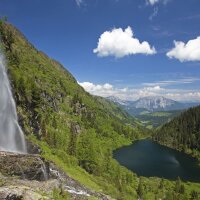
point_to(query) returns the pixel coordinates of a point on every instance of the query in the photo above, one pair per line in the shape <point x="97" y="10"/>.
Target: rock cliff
<point x="30" y="177"/>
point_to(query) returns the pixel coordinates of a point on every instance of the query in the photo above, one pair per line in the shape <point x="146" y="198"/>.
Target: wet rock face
<point x="25" y="166"/>
<point x="73" y="187"/>
<point x="32" y="148"/>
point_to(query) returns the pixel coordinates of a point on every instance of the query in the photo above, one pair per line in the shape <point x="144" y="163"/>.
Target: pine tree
<point x="194" y="195"/>
<point x="161" y="185"/>
<point x="140" y="190"/>
<point x="177" y="185"/>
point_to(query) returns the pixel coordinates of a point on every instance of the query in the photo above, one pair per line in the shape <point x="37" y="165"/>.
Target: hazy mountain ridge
<point x="117" y="100"/>
<point x="156" y="103"/>
<point x="152" y="104"/>
<point x="153" y="111"/>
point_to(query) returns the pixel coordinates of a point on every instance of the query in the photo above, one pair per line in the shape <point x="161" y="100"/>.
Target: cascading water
<point x="11" y="136"/>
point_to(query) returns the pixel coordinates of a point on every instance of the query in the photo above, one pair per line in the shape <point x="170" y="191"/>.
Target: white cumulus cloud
<point x="189" y="51"/>
<point x="96" y="88"/>
<point x="119" y="43"/>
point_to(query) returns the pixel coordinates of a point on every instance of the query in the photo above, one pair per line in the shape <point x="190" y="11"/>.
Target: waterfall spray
<point x="11" y="136"/>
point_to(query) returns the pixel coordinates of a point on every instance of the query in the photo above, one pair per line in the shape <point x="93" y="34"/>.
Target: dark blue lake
<point x="147" y="158"/>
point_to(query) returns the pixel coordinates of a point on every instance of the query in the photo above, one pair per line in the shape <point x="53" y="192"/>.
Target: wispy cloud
<point x="153" y="2"/>
<point x="159" y="32"/>
<point x="164" y="33"/>
<point x="79" y="2"/>
<point x="154" y="14"/>
<point x="156" y="28"/>
<point x="190" y="17"/>
<point x="188" y="80"/>
<point x="126" y="93"/>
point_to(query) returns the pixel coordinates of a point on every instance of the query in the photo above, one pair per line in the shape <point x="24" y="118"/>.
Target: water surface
<point x="147" y="158"/>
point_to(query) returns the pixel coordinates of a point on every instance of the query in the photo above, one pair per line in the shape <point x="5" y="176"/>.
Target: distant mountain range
<point x="151" y="104"/>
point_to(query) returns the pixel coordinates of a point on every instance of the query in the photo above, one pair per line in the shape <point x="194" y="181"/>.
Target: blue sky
<point x="101" y="42"/>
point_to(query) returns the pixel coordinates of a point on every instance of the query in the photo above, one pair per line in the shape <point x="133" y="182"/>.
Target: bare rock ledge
<point x="30" y="177"/>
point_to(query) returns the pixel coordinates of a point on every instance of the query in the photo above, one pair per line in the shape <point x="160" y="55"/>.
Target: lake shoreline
<point x="188" y="151"/>
<point x="162" y="160"/>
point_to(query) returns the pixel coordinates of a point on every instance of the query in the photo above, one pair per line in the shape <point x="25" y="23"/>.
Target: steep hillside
<point x="120" y="112"/>
<point x="73" y="128"/>
<point x="183" y="132"/>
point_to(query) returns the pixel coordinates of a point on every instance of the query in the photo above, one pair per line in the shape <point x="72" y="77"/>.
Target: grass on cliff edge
<point x="69" y="165"/>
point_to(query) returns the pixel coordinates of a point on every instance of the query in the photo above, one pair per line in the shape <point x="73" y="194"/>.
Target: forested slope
<point x="183" y="132"/>
<point x="67" y="122"/>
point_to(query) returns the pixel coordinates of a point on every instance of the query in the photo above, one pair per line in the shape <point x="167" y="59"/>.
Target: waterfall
<point x="11" y="136"/>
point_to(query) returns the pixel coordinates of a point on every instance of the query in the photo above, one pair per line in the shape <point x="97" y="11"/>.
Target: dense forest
<point x="183" y="132"/>
<point x="156" y="119"/>
<point x="76" y="130"/>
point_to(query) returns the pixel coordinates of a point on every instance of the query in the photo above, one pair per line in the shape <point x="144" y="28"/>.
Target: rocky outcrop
<point x="17" y="189"/>
<point x="75" y="128"/>
<point x="73" y="187"/>
<point x="30" y="177"/>
<point x="32" y="148"/>
<point x="19" y="193"/>
<point x="25" y="166"/>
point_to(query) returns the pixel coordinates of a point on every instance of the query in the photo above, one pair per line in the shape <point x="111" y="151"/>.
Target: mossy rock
<point x="31" y="167"/>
